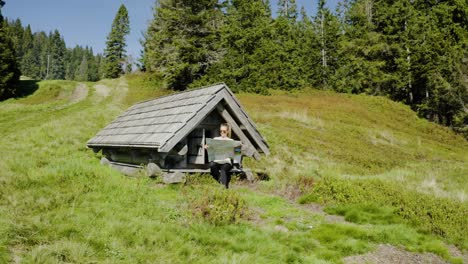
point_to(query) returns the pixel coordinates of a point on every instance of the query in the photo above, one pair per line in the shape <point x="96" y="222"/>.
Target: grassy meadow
<point x="346" y="173"/>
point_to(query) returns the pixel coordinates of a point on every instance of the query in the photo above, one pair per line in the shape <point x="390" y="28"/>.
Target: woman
<point x="220" y="168"/>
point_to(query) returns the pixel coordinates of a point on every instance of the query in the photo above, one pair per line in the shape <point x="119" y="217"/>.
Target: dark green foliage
<point x="441" y="216"/>
<point x="56" y="60"/>
<point x="30" y="59"/>
<point x="366" y="213"/>
<point x="287" y="9"/>
<point x="219" y="206"/>
<point x="341" y="239"/>
<point x="41" y="49"/>
<point x="247" y="43"/>
<point x="282" y="55"/>
<point x="362" y="53"/>
<point x="309" y="58"/>
<point x="9" y="72"/>
<point x="82" y="64"/>
<point x="40" y="54"/>
<point x="16" y="32"/>
<point x="327" y="30"/>
<point x="114" y="53"/>
<point x="182" y="42"/>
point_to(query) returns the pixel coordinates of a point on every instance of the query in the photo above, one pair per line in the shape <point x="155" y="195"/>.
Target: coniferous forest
<point x="412" y="51"/>
<point x="9" y="72"/>
<point x="42" y="55"/>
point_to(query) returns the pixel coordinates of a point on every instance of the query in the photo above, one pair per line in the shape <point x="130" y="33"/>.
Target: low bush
<point x="437" y="215"/>
<point x="366" y="213"/>
<point x="219" y="206"/>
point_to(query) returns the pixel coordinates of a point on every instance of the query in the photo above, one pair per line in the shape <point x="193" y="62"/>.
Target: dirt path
<point x="387" y="254"/>
<point x="102" y="90"/>
<point x="457" y="253"/>
<point x="79" y="94"/>
<point x="117" y="90"/>
<point x="122" y="88"/>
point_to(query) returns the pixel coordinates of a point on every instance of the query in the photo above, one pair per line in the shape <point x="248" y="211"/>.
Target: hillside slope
<point x="360" y="137"/>
<point x="58" y="204"/>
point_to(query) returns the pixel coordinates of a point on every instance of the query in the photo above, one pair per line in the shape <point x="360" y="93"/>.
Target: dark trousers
<point x="220" y="172"/>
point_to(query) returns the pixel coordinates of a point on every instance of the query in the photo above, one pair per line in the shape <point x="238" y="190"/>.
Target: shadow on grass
<point x="26" y="88"/>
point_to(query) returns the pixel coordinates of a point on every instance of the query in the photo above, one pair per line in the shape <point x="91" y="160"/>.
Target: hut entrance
<point x="196" y="152"/>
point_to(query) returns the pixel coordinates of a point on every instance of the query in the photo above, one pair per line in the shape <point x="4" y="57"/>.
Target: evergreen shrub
<point x="438" y="215"/>
<point x="219" y="206"/>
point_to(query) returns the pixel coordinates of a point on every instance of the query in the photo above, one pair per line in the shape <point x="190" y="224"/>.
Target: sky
<point x="88" y="22"/>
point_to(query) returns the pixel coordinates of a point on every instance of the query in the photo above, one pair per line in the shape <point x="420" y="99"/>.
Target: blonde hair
<point x="226" y="125"/>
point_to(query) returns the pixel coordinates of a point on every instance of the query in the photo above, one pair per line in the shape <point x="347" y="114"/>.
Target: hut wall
<point x="135" y="156"/>
<point x="177" y="157"/>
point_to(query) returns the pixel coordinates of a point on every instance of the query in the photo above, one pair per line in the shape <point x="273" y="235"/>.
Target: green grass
<point x="361" y="135"/>
<point x="365" y="213"/>
<point x="143" y="88"/>
<point x="58" y="204"/>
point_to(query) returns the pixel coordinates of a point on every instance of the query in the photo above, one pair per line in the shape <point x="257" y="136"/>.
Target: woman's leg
<point x="225" y="174"/>
<point x="214" y="169"/>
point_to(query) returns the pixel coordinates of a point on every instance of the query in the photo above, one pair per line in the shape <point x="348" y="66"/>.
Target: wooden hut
<point x="169" y="131"/>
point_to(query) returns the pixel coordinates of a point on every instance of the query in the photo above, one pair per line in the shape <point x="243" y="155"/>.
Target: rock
<point x="127" y="170"/>
<point x="152" y="169"/>
<point x="104" y="161"/>
<point x="174" y="177"/>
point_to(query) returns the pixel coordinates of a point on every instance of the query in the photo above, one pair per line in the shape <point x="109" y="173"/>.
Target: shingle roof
<point x="162" y="122"/>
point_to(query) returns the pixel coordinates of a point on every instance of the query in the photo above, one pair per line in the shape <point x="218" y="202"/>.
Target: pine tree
<point x="57" y="57"/>
<point x="73" y="61"/>
<point x="327" y="29"/>
<point x="93" y="65"/>
<point x="246" y="38"/>
<point x="287" y="9"/>
<point x="362" y="52"/>
<point x="182" y="41"/>
<point x="29" y="60"/>
<point x="82" y="72"/>
<point x="16" y="32"/>
<point x="114" y="54"/>
<point x="284" y="55"/>
<point x="9" y="72"/>
<point x="309" y="51"/>
<point x="42" y="47"/>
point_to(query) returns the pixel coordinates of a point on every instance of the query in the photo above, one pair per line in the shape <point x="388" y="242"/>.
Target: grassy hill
<point x="347" y="174"/>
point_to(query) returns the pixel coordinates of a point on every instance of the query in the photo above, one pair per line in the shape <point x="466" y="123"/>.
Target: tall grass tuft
<point x="219" y="206"/>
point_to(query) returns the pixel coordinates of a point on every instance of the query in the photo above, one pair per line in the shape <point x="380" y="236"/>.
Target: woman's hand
<point x="205" y="146"/>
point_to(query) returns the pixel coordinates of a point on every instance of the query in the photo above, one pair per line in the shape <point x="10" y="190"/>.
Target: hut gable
<point x="163" y="122"/>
